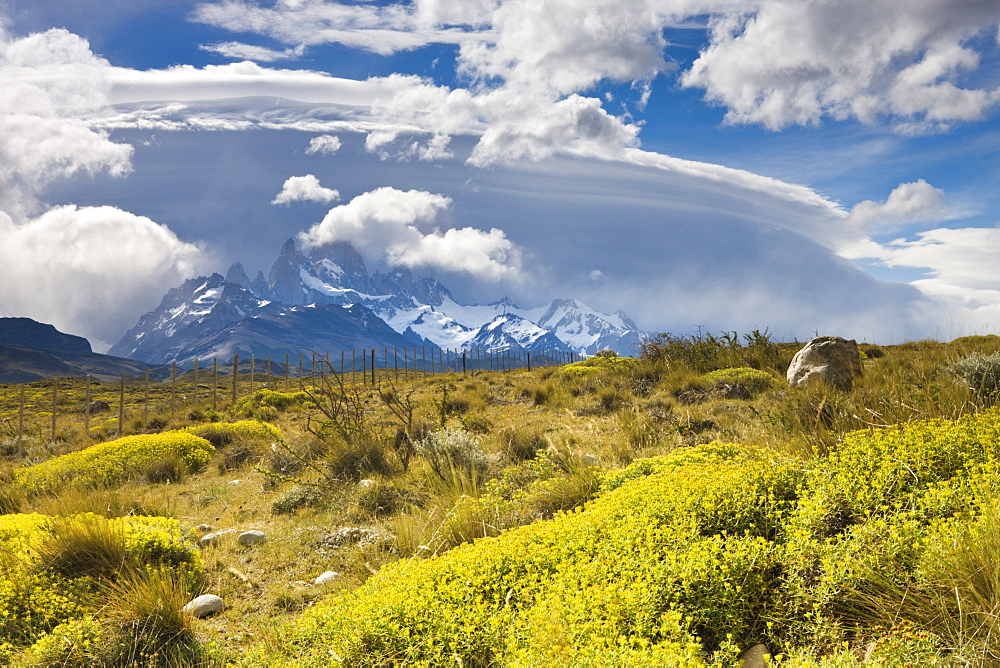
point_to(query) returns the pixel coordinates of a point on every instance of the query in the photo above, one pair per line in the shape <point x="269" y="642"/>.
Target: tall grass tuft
<point x="146" y="624"/>
<point x="956" y="594"/>
<point x="87" y="546"/>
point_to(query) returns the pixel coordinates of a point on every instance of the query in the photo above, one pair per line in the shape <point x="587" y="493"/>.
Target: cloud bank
<point x="85" y="270"/>
<point x="89" y="270"/>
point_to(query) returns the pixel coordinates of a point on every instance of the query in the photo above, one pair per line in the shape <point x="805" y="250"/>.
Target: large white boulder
<point x="829" y="359"/>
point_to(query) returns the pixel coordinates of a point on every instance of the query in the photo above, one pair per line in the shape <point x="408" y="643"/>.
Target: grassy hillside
<point x="675" y="509"/>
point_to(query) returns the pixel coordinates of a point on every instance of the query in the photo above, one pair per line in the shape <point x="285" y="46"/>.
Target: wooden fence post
<point x="236" y="373"/>
<point x="269" y="371"/>
<point x="286" y="372"/>
<point x="373" y="366"/>
<point x="20" y="419"/>
<point x="251" y="373"/>
<point x="395" y="361"/>
<point x="215" y="383"/>
<point x="121" y="406"/>
<point x="55" y="384"/>
<point x="173" y="388"/>
<point x="145" y="404"/>
<point x="86" y="409"/>
<point x="196" y="383"/>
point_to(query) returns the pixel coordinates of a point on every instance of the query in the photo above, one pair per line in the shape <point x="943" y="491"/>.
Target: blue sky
<point x="802" y="165"/>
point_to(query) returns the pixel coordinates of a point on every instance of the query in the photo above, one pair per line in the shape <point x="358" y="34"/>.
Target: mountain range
<point x="327" y="301"/>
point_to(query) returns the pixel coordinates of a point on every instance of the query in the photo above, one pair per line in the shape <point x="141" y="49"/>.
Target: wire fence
<point x="209" y="386"/>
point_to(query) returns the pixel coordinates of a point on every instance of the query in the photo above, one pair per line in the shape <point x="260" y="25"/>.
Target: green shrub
<point x="753" y="380"/>
<point x="454" y="453"/>
<point x="358" y="458"/>
<point x="704" y="352"/>
<point x="520" y="443"/>
<point x="115" y="462"/>
<point x="979" y="372"/>
<point x="299" y="496"/>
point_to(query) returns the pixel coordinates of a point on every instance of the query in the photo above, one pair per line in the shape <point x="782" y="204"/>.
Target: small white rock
<point x="204" y="605"/>
<point x="326" y="578"/>
<point x="589" y="460"/>
<point x="213" y="538"/>
<point x="203" y="528"/>
<point x="234" y="482"/>
<point x="252" y="537"/>
<point x="366" y="483"/>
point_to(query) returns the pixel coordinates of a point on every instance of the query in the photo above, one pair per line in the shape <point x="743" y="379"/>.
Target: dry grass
<point x="361" y="473"/>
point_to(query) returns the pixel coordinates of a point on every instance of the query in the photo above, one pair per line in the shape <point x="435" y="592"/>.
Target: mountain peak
<point x="238" y="275"/>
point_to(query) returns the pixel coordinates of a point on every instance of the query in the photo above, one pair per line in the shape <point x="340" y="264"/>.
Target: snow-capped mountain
<point x="516" y="333"/>
<point x="217" y="316"/>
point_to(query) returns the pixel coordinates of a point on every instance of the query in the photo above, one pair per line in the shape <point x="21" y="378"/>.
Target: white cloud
<point x="965" y="257"/>
<point x="324" y="145"/>
<point x="260" y="54"/>
<point x="305" y="189"/>
<point x="90" y="270"/>
<point x="404" y="228"/>
<point x="381" y="29"/>
<point x="186" y="83"/>
<point x="47" y="81"/>
<point x="85" y="270"/>
<point x="908" y="203"/>
<point x="785" y="62"/>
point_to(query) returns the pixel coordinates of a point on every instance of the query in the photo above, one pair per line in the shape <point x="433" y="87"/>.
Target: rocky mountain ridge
<point x="327" y="300"/>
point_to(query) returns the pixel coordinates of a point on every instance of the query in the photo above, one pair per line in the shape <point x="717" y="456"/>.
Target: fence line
<point x="367" y="370"/>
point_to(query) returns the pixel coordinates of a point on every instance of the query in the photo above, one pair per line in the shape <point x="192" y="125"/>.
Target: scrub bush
<point x="115" y="462"/>
<point x="665" y="566"/>
<point x="753" y="380"/>
<point x="979" y="372"/>
<point x="55" y="570"/>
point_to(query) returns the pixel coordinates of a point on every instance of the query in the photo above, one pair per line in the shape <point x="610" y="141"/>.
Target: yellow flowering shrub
<point x="115" y="462"/>
<point x="222" y="434"/>
<point x="35" y="597"/>
<point x="273" y="398"/>
<point x="666" y="565"/>
<point x="598" y="364"/>
<point x="868" y="510"/>
<point x="754" y="380"/>
<point x="683" y="559"/>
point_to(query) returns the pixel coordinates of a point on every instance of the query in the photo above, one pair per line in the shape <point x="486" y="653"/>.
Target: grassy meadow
<point x="676" y="508"/>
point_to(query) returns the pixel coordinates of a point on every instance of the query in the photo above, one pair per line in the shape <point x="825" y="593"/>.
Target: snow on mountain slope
<point x="420" y="309"/>
<point x="514" y="332"/>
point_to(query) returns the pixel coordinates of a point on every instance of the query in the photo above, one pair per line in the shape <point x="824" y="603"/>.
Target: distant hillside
<point x="28" y="333"/>
<point x="31" y="350"/>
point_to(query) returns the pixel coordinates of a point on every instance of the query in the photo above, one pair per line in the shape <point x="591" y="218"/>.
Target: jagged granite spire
<point x="238" y="275"/>
<point x="284" y="280"/>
